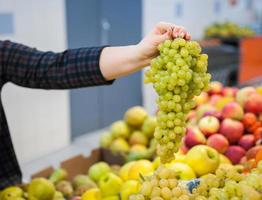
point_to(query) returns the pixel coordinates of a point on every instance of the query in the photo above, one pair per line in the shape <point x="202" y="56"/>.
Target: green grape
<point x="177" y="74"/>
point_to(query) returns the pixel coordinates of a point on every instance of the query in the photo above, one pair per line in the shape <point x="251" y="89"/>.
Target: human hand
<point x="147" y="48"/>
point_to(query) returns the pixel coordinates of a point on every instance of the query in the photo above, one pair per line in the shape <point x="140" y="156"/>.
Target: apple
<point x="182" y="170"/>
<point x="92" y="194"/>
<point x="251" y="153"/>
<point x="202" y="159"/>
<point x="233" y="110"/>
<point x="204" y="108"/>
<point x="120" y="129"/>
<point x="201" y="99"/>
<point x="208" y="125"/>
<point x="106" y="139"/>
<point x="41" y="189"/>
<point x="183" y="148"/>
<point x="247" y="141"/>
<point x="214" y="99"/>
<point x="128" y="188"/>
<point x="221" y="103"/>
<point x="114" y="197"/>
<point x="215" y="87"/>
<point x="194" y="137"/>
<point x="223" y="160"/>
<point x="258" y="134"/>
<point x="141" y="167"/>
<point x="216" y="114"/>
<point x="148" y="127"/>
<point x="138" y="137"/>
<point x="232" y="130"/>
<point x="235" y="153"/>
<point x="243" y="94"/>
<point x="229" y="91"/>
<point x="110" y="184"/>
<point x="249" y="119"/>
<point x="124" y="170"/>
<point x="98" y="170"/>
<point x="12" y="192"/>
<point x="218" y="142"/>
<point x="119" y="145"/>
<point x="76" y="198"/>
<point x="253" y="103"/>
<point x="138" y="148"/>
<point x="135" y="116"/>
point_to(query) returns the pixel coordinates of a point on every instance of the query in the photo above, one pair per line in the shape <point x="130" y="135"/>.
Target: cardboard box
<point x="80" y="164"/>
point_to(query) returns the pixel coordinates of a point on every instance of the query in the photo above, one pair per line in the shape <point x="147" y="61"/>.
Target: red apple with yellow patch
<point x="218" y="142"/>
<point x="194" y="137"/>
<point x="209" y="125"/>
<point x="233" y="110"/>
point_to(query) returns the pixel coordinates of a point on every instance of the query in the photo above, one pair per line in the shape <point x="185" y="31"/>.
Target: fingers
<point x="173" y="30"/>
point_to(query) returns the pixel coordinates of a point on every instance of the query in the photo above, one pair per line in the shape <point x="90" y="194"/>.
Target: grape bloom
<point x="178" y="74"/>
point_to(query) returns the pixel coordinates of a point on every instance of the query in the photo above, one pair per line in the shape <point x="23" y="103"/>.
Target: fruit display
<point x="227" y="182"/>
<point x="177" y="74"/>
<point x="228" y="120"/>
<point x="132" y="137"/>
<point x="228" y="30"/>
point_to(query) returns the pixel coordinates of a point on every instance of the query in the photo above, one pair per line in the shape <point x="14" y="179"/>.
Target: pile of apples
<point x="229" y="120"/>
<point x="132" y="136"/>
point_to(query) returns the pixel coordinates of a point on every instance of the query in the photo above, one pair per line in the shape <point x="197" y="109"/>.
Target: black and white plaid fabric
<point x="29" y="67"/>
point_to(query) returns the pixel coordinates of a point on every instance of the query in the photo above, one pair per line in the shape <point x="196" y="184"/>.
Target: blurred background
<point x="42" y="122"/>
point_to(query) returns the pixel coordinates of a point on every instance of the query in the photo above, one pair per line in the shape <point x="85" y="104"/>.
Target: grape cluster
<point x="230" y="183"/>
<point x="178" y="74"/>
<point x="162" y="185"/>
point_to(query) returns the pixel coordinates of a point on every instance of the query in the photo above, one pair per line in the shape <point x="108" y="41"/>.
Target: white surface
<point x="196" y="15"/>
<point x="39" y="120"/>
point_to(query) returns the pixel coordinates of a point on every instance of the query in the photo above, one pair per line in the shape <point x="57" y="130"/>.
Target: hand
<point x="147" y="48"/>
<point x="116" y="62"/>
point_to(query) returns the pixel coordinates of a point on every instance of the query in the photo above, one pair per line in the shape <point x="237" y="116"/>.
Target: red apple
<point x="204" y="108"/>
<point x="247" y="141"/>
<point x="194" y="137"/>
<point x="253" y="103"/>
<point x="218" y="142"/>
<point x="216" y="114"/>
<point x="235" y="153"/>
<point x="183" y="148"/>
<point x="232" y="130"/>
<point x="208" y="125"/>
<point x="215" y="87"/>
<point x="229" y="91"/>
<point x="251" y="153"/>
<point x="214" y="99"/>
<point x="233" y="110"/>
<point x="243" y="94"/>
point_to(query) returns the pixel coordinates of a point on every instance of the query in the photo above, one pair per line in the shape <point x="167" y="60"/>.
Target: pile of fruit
<point x="132" y="136"/>
<point x="228" y="120"/>
<point x="228" y="182"/>
<point x="228" y="30"/>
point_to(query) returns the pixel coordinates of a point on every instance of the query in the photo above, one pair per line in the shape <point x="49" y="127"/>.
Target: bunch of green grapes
<point x="230" y="183"/>
<point x="163" y="185"/>
<point x="178" y="74"/>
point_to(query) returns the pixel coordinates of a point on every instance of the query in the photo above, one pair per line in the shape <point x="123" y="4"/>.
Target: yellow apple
<point x="156" y="162"/>
<point x="92" y="194"/>
<point x="128" y="188"/>
<point x="183" y="171"/>
<point x="119" y="145"/>
<point x="11" y="192"/>
<point x="41" y="189"/>
<point x="141" y="167"/>
<point x="138" y="148"/>
<point x="97" y="170"/>
<point x="202" y="159"/>
<point x="114" y="197"/>
<point x="223" y="160"/>
<point x="123" y="173"/>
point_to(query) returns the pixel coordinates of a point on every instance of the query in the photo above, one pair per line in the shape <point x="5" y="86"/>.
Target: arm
<point x="82" y="67"/>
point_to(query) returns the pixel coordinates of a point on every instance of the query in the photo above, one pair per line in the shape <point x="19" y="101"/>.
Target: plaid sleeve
<point x="29" y="67"/>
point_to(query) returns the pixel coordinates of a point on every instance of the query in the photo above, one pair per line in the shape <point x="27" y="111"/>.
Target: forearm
<point x="116" y="62"/>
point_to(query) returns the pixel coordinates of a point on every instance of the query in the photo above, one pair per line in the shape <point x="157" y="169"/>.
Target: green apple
<point x="148" y="127"/>
<point x="58" y="175"/>
<point x="11" y="193"/>
<point x="119" y="145"/>
<point x="106" y="139"/>
<point x="41" y="189"/>
<point x="81" y="180"/>
<point x="203" y="159"/>
<point x="183" y="171"/>
<point x="128" y="188"/>
<point x="110" y="184"/>
<point x="98" y="170"/>
<point x="120" y="129"/>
